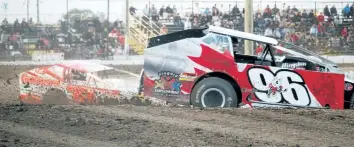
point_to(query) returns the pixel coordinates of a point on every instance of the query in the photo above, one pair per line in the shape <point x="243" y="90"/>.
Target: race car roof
<point x="243" y="35"/>
<point x="86" y="67"/>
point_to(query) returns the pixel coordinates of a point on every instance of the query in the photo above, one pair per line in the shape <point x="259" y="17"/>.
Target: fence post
<point x="315" y="8"/>
<point x="126" y="45"/>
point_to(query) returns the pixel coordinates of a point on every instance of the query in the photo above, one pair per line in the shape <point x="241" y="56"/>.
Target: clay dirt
<point x="131" y="125"/>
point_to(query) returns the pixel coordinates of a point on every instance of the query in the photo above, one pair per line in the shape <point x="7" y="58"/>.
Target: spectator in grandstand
<point x="275" y="10"/>
<point x="331" y="28"/>
<point x="320" y="18"/>
<point x="132" y="10"/>
<point x="215" y="11"/>
<point x="267" y="12"/>
<point x="352" y="10"/>
<point x="314" y="30"/>
<point x="350" y="38"/>
<point x="30" y="22"/>
<point x="13" y="39"/>
<point x="304" y="14"/>
<point x="163" y="29"/>
<point x="235" y="11"/>
<point x="346" y="11"/>
<point x="268" y="32"/>
<point x="321" y="29"/>
<point x="174" y="9"/>
<point x="146" y="10"/>
<point x="17" y="26"/>
<point x="222" y="10"/>
<point x="188" y="24"/>
<point x="326" y="11"/>
<point x="154" y="14"/>
<point x="311" y="14"/>
<point x="24" y="26"/>
<point x="177" y="20"/>
<point x="5" y="22"/>
<point x="169" y="10"/>
<point x="259" y="13"/>
<point x="260" y="22"/>
<point x="5" y="26"/>
<point x="162" y="11"/>
<point x="277" y="17"/>
<point x="288" y="10"/>
<point x="344" y="32"/>
<point x="295" y="9"/>
<point x="334" y="11"/>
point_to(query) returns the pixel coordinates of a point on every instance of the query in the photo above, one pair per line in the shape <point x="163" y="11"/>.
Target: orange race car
<point x="76" y="82"/>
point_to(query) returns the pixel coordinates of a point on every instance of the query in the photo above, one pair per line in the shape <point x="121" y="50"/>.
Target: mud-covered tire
<point x="141" y="83"/>
<point x="55" y="96"/>
<point x="351" y="102"/>
<point x="214" y="92"/>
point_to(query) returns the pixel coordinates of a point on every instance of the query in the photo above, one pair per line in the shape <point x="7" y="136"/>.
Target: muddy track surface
<point x="127" y="125"/>
<point x="107" y="126"/>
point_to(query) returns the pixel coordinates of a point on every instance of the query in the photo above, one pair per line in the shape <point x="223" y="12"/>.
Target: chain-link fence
<point x="84" y="29"/>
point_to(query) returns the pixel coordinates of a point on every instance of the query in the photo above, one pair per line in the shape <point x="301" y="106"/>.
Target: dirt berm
<point x="127" y="125"/>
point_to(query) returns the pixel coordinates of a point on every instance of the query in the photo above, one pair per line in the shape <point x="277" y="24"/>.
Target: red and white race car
<point x="74" y="82"/>
<point x="199" y="67"/>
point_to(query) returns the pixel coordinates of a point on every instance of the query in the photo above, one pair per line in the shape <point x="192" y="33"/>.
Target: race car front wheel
<point x="214" y="92"/>
<point x="55" y="96"/>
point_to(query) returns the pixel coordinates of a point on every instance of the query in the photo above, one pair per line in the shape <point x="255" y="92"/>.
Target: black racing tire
<point x="56" y="97"/>
<point x="214" y="92"/>
<point x="141" y="83"/>
<point x="351" y="102"/>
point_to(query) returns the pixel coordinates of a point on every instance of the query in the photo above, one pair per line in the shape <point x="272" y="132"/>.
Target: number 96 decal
<point x="283" y="86"/>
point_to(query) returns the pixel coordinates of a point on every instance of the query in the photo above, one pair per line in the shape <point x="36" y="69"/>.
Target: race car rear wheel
<point x="55" y="96"/>
<point x="214" y="92"/>
<point x="351" y="103"/>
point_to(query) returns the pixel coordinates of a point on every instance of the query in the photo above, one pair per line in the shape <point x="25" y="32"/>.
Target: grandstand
<point x="288" y="20"/>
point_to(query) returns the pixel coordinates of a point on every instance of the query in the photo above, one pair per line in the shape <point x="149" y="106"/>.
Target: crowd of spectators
<point x="90" y="34"/>
<point x="325" y="30"/>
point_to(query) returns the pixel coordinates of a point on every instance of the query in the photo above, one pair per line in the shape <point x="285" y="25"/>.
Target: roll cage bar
<point x="265" y="52"/>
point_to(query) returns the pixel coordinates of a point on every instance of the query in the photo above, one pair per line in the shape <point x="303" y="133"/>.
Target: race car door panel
<point x="275" y="85"/>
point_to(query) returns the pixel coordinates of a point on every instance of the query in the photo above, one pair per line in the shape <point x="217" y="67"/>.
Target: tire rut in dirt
<point x="125" y="131"/>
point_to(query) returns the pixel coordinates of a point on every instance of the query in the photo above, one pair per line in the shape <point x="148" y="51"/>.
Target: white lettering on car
<point x="284" y="86"/>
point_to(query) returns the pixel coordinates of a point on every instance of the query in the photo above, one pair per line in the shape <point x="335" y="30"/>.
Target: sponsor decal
<point x="348" y="87"/>
<point x="168" y="84"/>
<point x="297" y="65"/>
<point x="186" y="77"/>
<point x="283" y="86"/>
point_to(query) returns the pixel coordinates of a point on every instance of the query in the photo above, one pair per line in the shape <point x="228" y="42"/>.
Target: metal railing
<point x="141" y="29"/>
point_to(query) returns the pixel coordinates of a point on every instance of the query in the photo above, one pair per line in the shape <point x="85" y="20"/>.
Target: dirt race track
<point x="127" y="125"/>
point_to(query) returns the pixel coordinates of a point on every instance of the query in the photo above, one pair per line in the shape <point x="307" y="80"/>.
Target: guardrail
<point x="141" y="29"/>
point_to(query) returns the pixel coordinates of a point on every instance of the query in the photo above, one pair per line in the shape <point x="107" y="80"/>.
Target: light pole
<point x="108" y="10"/>
<point x="37" y="11"/>
<point x="28" y="1"/>
<point x="67" y="22"/>
<point x="248" y="25"/>
<point x="126" y="45"/>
